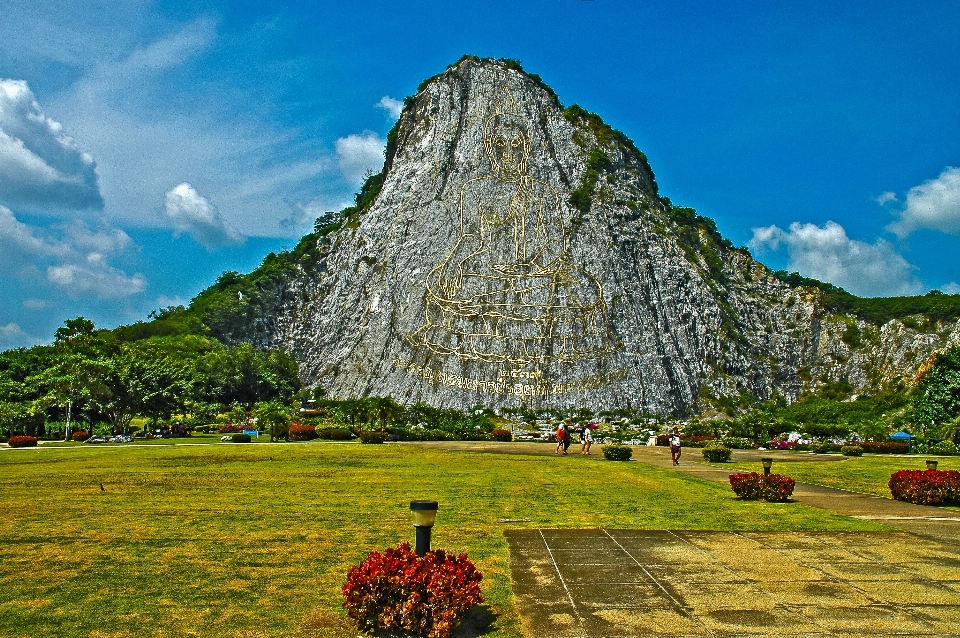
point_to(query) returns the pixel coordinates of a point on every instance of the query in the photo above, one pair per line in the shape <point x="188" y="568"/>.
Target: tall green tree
<point x="937" y="395"/>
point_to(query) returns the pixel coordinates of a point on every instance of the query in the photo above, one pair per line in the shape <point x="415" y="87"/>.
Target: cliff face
<point x="472" y="278"/>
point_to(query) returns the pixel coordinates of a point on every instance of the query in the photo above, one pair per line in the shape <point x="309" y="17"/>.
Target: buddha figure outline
<point x="506" y="292"/>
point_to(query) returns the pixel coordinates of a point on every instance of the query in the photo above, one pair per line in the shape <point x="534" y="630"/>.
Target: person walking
<point x="566" y="436"/>
<point x="675" y="446"/>
<point x="586" y="439"/>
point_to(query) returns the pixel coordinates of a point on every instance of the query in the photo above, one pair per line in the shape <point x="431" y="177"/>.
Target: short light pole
<point x="767" y="462"/>
<point x="932" y="464"/>
<point x="424" y="515"/>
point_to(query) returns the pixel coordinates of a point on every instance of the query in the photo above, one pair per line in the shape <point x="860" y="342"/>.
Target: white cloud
<point x="952" y="288"/>
<point x="191" y="213"/>
<point x="13" y="336"/>
<point x="76" y="260"/>
<point x="36" y="304"/>
<point x="827" y="254"/>
<point x="360" y="154"/>
<point x="391" y="106"/>
<point x="41" y="166"/>
<point x="935" y="204"/>
<point x="889" y="196"/>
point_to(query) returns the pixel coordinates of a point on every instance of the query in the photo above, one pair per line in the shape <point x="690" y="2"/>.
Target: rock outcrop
<point x="518" y="253"/>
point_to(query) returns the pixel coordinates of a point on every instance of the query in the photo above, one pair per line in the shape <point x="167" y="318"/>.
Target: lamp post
<point x="767" y="462"/>
<point x="424" y="515"/>
<point x="932" y="464"/>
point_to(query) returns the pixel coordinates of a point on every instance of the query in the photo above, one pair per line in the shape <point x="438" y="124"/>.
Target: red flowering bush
<point x="760" y="487"/>
<point x="228" y="428"/>
<point x="926" y="487"/>
<point x="22" y="441"/>
<point x="80" y="435"/>
<point x="300" y="432"/>
<point x="502" y="435"/>
<point x="882" y="447"/>
<point x="398" y="590"/>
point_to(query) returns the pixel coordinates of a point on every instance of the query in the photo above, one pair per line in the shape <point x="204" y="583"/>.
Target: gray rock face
<point x="473" y="279"/>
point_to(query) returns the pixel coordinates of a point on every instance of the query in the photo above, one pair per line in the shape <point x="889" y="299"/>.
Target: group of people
<point x="564" y="434"/>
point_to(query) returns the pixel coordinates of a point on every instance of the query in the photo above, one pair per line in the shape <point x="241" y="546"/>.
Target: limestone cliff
<point x="518" y="252"/>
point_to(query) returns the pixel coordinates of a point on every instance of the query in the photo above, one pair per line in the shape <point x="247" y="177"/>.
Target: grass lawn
<point x="255" y="540"/>
<point x="867" y="474"/>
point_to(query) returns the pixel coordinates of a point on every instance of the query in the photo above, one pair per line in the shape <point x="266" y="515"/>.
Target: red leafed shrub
<point x="398" y="590"/>
<point x="759" y="487"/>
<point x="302" y="432"/>
<point x="80" y="436"/>
<point x="228" y="428"/>
<point x="502" y="435"/>
<point x="882" y="447"/>
<point x="22" y="441"/>
<point x="926" y="487"/>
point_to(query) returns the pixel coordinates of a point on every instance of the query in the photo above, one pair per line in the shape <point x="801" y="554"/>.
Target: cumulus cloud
<point x="884" y="198"/>
<point x="826" y="253"/>
<point x="952" y="288"/>
<point x="391" y="106"/>
<point x="40" y="165"/>
<point x="191" y="213"/>
<point x="71" y="257"/>
<point x="359" y="154"/>
<point x="935" y="205"/>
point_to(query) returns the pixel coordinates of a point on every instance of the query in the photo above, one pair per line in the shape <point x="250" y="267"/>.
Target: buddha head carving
<point x="508" y="145"/>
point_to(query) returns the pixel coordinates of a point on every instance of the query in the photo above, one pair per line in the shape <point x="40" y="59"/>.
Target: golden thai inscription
<point x="505" y="385"/>
<point x="507" y="293"/>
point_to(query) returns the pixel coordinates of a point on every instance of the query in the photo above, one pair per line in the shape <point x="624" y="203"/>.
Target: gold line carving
<point x="507" y="292"/>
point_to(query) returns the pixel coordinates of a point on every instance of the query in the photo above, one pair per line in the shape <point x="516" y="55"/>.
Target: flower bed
<point x="398" y="590"/>
<point x="760" y="487"/>
<point x="926" y="487"/>
<point x="22" y="441"/>
<point x="502" y="435"/>
<point x="300" y="432"/>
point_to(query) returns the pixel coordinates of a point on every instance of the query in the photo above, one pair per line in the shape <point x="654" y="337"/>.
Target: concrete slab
<point x="633" y="583"/>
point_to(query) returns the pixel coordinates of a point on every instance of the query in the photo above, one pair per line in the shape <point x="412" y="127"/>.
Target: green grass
<point x="255" y="540"/>
<point x="867" y="474"/>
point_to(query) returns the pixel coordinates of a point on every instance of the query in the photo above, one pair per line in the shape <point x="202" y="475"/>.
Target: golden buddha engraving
<point x="506" y="292"/>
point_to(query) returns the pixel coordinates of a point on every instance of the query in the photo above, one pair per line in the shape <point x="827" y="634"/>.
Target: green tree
<point x="275" y="416"/>
<point x="72" y="377"/>
<point x="937" y="395"/>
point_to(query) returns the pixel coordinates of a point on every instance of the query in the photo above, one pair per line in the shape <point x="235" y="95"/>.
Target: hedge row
<point x="926" y="487"/>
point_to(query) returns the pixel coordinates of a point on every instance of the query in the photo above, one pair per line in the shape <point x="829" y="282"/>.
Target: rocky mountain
<point x="513" y="251"/>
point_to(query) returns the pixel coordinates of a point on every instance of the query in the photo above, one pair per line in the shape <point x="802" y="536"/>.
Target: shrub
<point x="926" y="487"/>
<point x="716" y="453"/>
<point x="228" y="428"/>
<point x="336" y="434"/>
<point x="502" y="435"/>
<point x="369" y="436"/>
<point x="302" y="432"/>
<point x="946" y="448"/>
<point x="398" y="590"/>
<point x="81" y="435"/>
<point x="737" y="443"/>
<point x="822" y="447"/>
<point x="22" y="441"/>
<point x="769" y="487"/>
<point x="3" y="439"/>
<point x="617" y="452"/>
<point x="882" y="447"/>
<point x="694" y="441"/>
<point x="851" y="450"/>
<point x="240" y="437"/>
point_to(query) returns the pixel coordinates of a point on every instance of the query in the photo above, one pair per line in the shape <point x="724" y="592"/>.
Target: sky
<point x="146" y="147"/>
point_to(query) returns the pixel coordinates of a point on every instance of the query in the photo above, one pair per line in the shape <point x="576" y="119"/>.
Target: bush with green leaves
<point x="371" y="436"/>
<point x="851" y="450"/>
<point x="716" y="453"/>
<point x="822" y="447"/>
<point x="945" y="448"/>
<point x="617" y="452"/>
<point x="240" y="437"/>
<point x="737" y="443"/>
<point x="335" y="434"/>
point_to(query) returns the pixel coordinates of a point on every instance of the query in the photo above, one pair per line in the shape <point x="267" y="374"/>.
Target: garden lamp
<point x="424" y="515"/>
<point x="931" y="464"/>
<point x="767" y="462"/>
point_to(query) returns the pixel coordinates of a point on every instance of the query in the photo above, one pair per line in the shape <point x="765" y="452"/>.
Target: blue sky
<point x="145" y="147"/>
